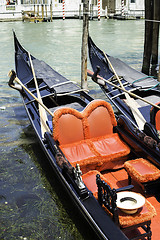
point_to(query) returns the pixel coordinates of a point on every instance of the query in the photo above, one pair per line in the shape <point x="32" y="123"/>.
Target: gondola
<point x="144" y="89"/>
<point x="90" y="151"/>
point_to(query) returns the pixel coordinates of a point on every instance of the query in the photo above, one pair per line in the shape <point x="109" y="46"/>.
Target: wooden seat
<point x="141" y="219"/>
<point x="87" y="137"/>
<point x="142" y="171"/>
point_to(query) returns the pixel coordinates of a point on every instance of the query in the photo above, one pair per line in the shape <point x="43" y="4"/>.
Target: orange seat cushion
<point x="111" y="146"/>
<point x="78" y="152"/>
<point x="89" y="180"/>
<point x="146" y="213"/>
<point x="142" y="170"/>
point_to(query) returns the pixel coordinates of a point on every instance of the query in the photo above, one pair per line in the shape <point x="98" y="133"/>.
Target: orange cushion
<point x="142" y="170"/>
<point x="67" y="126"/>
<point x="100" y="117"/>
<point x="111" y="146"/>
<point x="146" y="213"/>
<point x="89" y="180"/>
<point x="77" y="152"/>
<point x="97" y="153"/>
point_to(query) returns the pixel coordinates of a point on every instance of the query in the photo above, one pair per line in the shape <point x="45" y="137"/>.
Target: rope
<point x="152" y="87"/>
<point x="141" y="79"/>
<point x="146" y="78"/>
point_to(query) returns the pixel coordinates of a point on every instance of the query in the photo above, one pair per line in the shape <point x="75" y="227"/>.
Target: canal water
<point x="32" y="204"/>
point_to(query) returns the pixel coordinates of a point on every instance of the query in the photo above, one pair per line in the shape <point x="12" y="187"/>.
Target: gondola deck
<point x="85" y="131"/>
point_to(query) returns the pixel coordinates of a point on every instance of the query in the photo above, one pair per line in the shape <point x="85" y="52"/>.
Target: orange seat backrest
<point x="67" y="126"/>
<point x="101" y="118"/>
<point x="96" y="120"/>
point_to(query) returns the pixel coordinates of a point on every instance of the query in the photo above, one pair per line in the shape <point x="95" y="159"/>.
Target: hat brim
<point x="130" y="202"/>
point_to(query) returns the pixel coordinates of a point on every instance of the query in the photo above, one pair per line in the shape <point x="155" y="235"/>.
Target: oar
<point x="42" y="112"/>
<point x="13" y="77"/>
<point x="130" y="101"/>
<point x="102" y="81"/>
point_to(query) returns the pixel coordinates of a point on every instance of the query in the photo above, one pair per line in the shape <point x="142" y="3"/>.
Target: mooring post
<point x="122" y="3"/>
<point x="99" y="10"/>
<point x="79" y="11"/>
<point x="155" y="38"/>
<point x="51" y="10"/>
<point x="46" y="10"/>
<point x="42" y="12"/>
<point x="63" y="7"/>
<point x="37" y="10"/>
<point x="148" y="36"/>
<point x="84" y="44"/>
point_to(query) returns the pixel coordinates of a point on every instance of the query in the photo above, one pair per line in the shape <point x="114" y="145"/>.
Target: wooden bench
<point x="144" y="173"/>
<point x="87" y="137"/>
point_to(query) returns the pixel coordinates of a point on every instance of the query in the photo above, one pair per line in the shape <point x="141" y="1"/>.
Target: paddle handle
<point x="114" y="71"/>
<point x="90" y="73"/>
<point x="27" y="90"/>
<point x="42" y="112"/>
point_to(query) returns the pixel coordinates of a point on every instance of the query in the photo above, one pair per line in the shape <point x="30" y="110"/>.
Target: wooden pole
<point x="46" y="10"/>
<point x="42" y="11"/>
<point x="155" y="40"/>
<point x="148" y="36"/>
<point x="122" y="3"/>
<point x="42" y="112"/>
<point x="99" y="10"/>
<point x="37" y="10"/>
<point x="63" y="7"/>
<point x="84" y="44"/>
<point x="51" y="10"/>
<point x="79" y="11"/>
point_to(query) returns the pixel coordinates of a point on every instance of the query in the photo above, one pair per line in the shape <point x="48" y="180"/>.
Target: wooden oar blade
<point x="43" y="121"/>
<point x="140" y="120"/>
<point x="43" y="117"/>
<point x="42" y="112"/>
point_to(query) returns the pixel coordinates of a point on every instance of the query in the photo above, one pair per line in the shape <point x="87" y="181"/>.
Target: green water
<point x="32" y="204"/>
